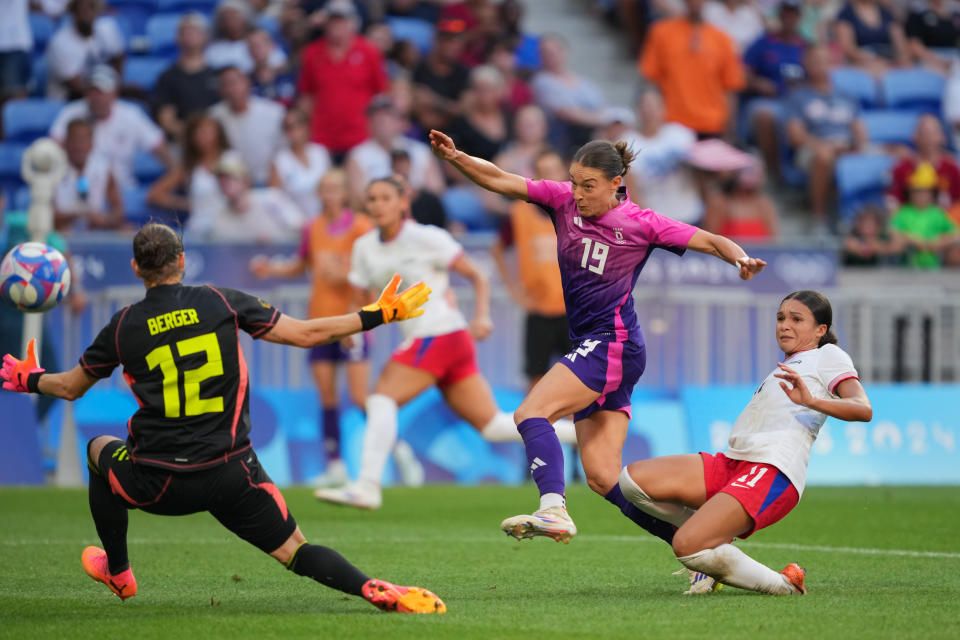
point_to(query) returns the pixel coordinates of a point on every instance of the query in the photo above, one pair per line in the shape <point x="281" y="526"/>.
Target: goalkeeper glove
<point x="22" y="376"/>
<point x="392" y="306"/>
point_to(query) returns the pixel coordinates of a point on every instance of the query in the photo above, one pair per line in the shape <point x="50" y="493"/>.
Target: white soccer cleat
<point x="361" y="495"/>
<point x="411" y="471"/>
<point x="700" y="583"/>
<point x="335" y="475"/>
<point x="552" y="522"/>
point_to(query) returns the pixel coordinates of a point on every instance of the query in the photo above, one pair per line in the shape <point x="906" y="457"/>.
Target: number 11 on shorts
<point x="751" y="479"/>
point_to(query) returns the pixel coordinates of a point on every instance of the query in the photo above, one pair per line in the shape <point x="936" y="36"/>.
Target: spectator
<point x="86" y="40"/>
<point x="816" y="20"/>
<point x="379" y="35"/>
<point x="739" y="19"/>
<point x="739" y="209"/>
<point x="298" y="167"/>
<point x="87" y="196"/>
<point x="270" y="80"/>
<point x="528" y="141"/>
<point x="403" y="59"/>
<point x="425" y="206"/>
<point x="483" y="127"/>
<point x="16" y="45"/>
<point x="930" y="145"/>
<point x="869" y="37"/>
<point x="572" y="101"/>
<point x="658" y="178"/>
<point x="252" y="215"/>
<point x="518" y="92"/>
<point x="440" y="79"/>
<point x="951" y="103"/>
<point x="695" y="65"/>
<point x="822" y="124"/>
<point x="920" y="225"/>
<point x="869" y="243"/>
<point x="483" y="35"/>
<point x="773" y="64"/>
<point x="189" y="84"/>
<point x="537" y="290"/>
<point x="340" y="74"/>
<point x="254" y="125"/>
<point x="203" y="142"/>
<point x="933" y="33"/>
<point x="370" y="159"/>
<point x="120" y="129"/>
<point x="232" y="24"/>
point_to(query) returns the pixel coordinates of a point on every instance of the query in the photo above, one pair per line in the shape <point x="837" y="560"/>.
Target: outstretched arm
<point x="486" y="174"/>
<point x="728" y="251"/>
<point x="26" y="376"/>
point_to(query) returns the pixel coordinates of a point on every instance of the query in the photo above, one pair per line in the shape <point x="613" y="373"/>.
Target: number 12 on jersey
<point x="194" y="405"/>
<point x="600" y="252"/>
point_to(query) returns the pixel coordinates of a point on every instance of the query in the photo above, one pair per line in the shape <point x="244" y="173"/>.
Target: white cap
<point x="105" y="78"/>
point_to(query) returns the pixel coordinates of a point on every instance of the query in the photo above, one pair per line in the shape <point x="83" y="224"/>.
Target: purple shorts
<point x="611" y="369"/>
<point x="335" y="352"/>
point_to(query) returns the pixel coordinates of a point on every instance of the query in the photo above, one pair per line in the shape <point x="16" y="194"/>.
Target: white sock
<point x="548" y="500"/>
<point x="729" y="565"/>
<point x="501" y="429"/>
<point x="566" y="430"/>
<point x="672" y="512"/>
<point x="379" y="438"/>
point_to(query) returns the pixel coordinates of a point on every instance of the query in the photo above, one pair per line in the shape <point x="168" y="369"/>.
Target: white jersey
<point x="418" y="252"/>
<point x="775" y="430"/>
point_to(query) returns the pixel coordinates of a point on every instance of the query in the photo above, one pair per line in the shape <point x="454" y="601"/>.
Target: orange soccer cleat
<point x="94" y="561"/>
<point x="391" y="597"/>
<point x="795" y="574"/>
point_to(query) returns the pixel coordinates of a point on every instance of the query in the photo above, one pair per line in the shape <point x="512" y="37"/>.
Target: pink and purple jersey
<point x="601" y="258"/>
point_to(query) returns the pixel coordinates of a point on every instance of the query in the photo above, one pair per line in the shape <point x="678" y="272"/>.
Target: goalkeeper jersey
<point x="180" y="353"/>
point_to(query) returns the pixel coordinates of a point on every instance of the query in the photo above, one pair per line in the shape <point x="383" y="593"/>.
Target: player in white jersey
<point x="438" y="349"/>
<point x="758" y="480"/>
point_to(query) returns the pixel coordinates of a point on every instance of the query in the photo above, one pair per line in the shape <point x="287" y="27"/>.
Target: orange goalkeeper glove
<point x="22" y="376"/>
<point x="392" y="306"/>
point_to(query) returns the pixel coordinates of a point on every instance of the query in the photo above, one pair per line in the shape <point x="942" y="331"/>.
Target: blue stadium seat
<point x="143" y="71"/>
<point x="42" y="27"/>
<point x="139" y="212"/>
<point x="146" y="167"/>
<point x="915" y="89"/>
<point x="205" y="7"/>
<point x="858" y="83"/>
<point x="890" y="126"/>
<point x="418" y="31"/>
<point x="10" y="155"/>
<point x="861" y="179"/>
<point x="162" y="32"/>
<point x="28" y="119"/>
<point x="38" y="76"/>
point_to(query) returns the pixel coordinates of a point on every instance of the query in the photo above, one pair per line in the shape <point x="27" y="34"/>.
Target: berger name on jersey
<point x="172" y="320"/>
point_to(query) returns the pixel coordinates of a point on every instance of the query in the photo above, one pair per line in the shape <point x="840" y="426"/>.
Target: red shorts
<point x="761" y="488"/>
<point x="450" y="357"/>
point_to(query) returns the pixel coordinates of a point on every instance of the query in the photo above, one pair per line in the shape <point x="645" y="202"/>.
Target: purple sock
<point x="544" y="454"/>
<point x="331" y="432"/>
<point x="659" y="528"/>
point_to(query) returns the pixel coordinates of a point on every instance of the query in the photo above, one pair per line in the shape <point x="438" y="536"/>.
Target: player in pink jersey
<point x="603" y="241"/>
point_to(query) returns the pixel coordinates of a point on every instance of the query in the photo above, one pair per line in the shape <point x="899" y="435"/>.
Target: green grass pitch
<point x="882" y="563"/>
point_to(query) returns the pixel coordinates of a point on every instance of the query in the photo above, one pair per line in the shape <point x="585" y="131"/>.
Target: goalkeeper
<point x="189" y="446"/>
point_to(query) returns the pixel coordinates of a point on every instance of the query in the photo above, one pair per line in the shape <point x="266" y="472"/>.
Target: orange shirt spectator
<point x="531" y="232"/>
<point x="695" y="65"/>
<point x="326" y="247"/>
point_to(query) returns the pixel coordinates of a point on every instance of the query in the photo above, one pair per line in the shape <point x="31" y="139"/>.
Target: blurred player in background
<point x="715" y="498"/>
<point x="603" y="241"/>
<point x="327" y="242"/>
<point x="189" y="445"/>
<point x="438" y="350"/>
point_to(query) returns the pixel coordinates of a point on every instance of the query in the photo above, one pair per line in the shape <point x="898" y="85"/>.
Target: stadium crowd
<point x="224" y="116"/>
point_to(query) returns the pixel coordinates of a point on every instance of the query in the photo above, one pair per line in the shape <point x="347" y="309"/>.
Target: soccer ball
<point x="34" y="277"/>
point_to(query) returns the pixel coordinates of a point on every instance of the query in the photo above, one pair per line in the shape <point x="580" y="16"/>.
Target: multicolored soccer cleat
<point x="552" y="522"/>
<point x="94" y="561"/>
<point x="391" y="597"/>
<point x="356" y="494"/>
<point x="700" y="583"/>
<point x="795" y="574"/>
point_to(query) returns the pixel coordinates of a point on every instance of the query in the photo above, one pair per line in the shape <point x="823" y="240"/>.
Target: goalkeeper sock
<point x="110" y="517"/>
<point x="379" y="438"/>
<point x="659" y="528"/>
<point x="729" y="565"/>
<point x="545" y="458"/>
<point x="327" y="567"/>
<point x="331" y="432"/>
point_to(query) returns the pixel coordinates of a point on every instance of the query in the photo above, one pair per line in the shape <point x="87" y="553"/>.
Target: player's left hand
<point x="750" y="267"/>
<point x="797" y="390"/>
<point x="480" y="328"/>
<point x="403" y="306"/>
<point x="14" y="372"/>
